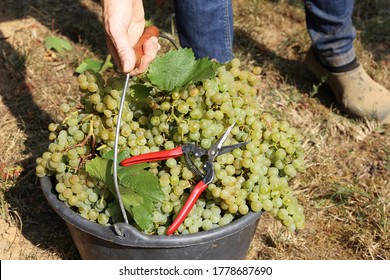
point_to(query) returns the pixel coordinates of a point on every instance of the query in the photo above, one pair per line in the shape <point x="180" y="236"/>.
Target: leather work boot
<point x="358" y="94"/>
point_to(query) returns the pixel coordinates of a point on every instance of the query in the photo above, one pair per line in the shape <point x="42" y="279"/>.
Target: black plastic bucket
<point x="94" y="241"/>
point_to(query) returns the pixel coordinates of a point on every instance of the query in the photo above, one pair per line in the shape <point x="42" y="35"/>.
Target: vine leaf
<point x="176" y="69"/>
<point x="57" y="44"/>
<point x="139" y="188"/>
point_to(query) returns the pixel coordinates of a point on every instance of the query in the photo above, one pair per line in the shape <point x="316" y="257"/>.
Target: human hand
<point x="124" y="23"/>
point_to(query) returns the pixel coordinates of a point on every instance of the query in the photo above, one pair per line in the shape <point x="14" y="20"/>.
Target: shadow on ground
<point x="40" y="224"/>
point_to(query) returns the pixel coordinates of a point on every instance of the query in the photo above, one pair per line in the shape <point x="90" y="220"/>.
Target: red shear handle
<point x="148" y="32"/>
<point x="154" y="156"/>
<point x="194" y="195"/>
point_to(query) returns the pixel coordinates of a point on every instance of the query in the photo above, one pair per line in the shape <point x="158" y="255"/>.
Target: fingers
<point x="124" y="24"/>
<point x="112" y="50"/>
<point x="123" y="18"/>
<point x="121" y="48"/>
<point x="150" y="49"/>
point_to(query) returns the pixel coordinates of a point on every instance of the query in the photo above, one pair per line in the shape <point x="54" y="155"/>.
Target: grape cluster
<point x="254" y="177"/>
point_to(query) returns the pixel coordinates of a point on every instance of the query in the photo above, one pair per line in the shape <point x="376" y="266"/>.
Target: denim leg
<point x="206" y="26"/>
<point x="329" y="23"/>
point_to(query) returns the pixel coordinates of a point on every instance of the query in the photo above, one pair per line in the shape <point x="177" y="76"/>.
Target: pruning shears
<point x="207" y="175"/>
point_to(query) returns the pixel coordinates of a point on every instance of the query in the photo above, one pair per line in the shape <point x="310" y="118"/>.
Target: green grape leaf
<point x="143" y="215"/>
<point x="177" y="68"/>
<point x="142" y="182"/>
<point x="203" y="69"/>
<point x="100" y="169"/>
<point x="96" y="65"/>
<point x="57" y="44"/>
<point x="121" y="156"/>
<point x="130" y="198"/>
<point x="140" y="91"/>
<point x="138" y="188"/>
<point x="143" y="187"/>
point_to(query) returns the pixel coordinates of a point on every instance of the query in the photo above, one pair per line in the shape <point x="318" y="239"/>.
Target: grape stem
<point x="87" y="117"/>
<point x="85" y="141"/>
<point x="173" y="113"/>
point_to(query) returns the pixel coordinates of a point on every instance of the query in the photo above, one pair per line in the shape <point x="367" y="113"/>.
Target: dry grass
<point x="345" y="190"/>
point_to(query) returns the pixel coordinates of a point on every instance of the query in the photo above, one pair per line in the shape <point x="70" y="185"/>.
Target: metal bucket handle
<point x="118" y="230"/>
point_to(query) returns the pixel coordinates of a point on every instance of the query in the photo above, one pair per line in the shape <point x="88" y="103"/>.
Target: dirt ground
<point x="345" y="190"/>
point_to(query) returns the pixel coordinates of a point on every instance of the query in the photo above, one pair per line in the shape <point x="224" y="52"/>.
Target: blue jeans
<point x="206" y="26"/>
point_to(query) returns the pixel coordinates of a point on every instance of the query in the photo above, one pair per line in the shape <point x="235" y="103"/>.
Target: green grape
<point x="78" y="136"/>
<point x="67" y="193"/>
<point x="280" y="153"/>
<point x="76" y="188"/>
<point x="61" y="197"/>
<point x="188" y="222"/>
<point x="165" y="106"/>
<point x="93" y="197"/>
<point x="289" y="170"/>
<point x="127" y="116"/>
<point x="223" y="221"/>
<point x="256" y="206"/>
<point x="102" y="219"/>
<point x="277" y="202"/>
<point x="82" y="196"/>
<point x="92" y="87"/>
<point x="61" y="167"/>
<point x="243" y="209"/>
<point x="157" y="217"/>
<point x="60" y="187"/>
<point x="83" y="85"/>
<point x="111" y="104"/>
<point x="233" y="208"/>
<point x="52" y="127"/>
<point x="257" y="70"/>
<point x="100" y="107"/>
<point x="72" y="200"/>
<point x="235" y="62"/>
<point x="214" y="218"/>
<point x="193" y="229"/>
<point x="93" y="214"/>
<point x="155" y="120"/>
<point x="183" y="128"/>
<point x="167" y="207"/>
<point x="95" y="98"/>
<point x="170" y="163"/>
<point x="161" y="230"/>
<point x="282" y="214"/>
<point x="107" y="113"/>
<point x="64" y="108"/>
<point x="56" y="157"/>
<point x="267" y="205"/>
<point x="298" y="164"/>
<point x="288" y="221"/>
<point x="183" y="108"/>
<point x="73" y="179"/>
<point x="187" y="174"/>
<point x="101" y="204"/>
<point x="72" y="121"/>
<point x="251" y="178"/>
<point x="207" y="224"/>
<point x="115" y="93"/>
<point x="279" y="164"/>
